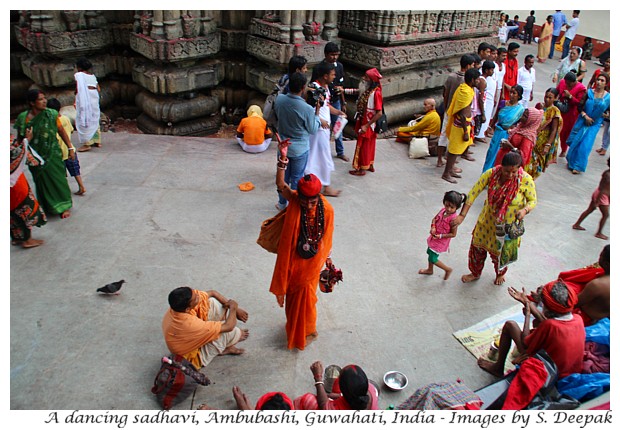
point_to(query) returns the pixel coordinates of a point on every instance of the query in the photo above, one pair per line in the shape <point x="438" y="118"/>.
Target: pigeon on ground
<point x="112" y="288"/>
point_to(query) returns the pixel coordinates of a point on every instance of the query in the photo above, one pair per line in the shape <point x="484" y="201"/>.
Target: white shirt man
<point x="526" y="78"/>
<point x="498" y="75"/>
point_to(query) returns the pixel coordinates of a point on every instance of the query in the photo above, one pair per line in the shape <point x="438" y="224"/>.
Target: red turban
<point x="266" y="397"/>
<point x="309" y="185"/>
<point x="551" y="304"/>
<point x="374" y="75"/>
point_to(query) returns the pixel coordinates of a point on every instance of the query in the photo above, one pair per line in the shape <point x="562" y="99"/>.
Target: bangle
<point x="527" y="210"/>
<point x="319" y="383"/>
<point x="441" y="236"/>
<point x="283" y="161"/>
<point x="71" y="149"/>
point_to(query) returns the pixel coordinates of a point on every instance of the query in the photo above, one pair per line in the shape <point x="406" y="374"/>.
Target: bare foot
<point x="448" y="178"/>
<point x="244" y="334"/>
<point x="65" y="214"/>
<point x="601" y="236"/>
<point x="447" y="275"/>
<point x="32" y="243"/>
<point x="80" y="192"/>
<point x="492" y="368"/>
<point x="499" y="280"/>
<point x="204" y="407"/>
<point x="440" y="163"/>
<point x="577" y="227"/>
<point x="455" y="175"/>
<point x="330" y="192"/>
<point x="83" y="148"/>
<point x="242" y="315"/>
<point x="232" y="350"/>
<point x="311" y="338"/>
<point x="425" y="271"/>
<point x="562" y="154"/>
<point x="457" y="170"/>
<point x="469" y="278"/>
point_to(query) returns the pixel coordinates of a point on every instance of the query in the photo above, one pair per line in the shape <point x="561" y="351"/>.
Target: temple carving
<point x="184" y="72"/>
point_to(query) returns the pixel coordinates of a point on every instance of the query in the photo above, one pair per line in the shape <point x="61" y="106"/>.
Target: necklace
<point x="311" y="232"/>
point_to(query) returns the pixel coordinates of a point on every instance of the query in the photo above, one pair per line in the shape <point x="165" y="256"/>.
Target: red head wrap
<point x="309" y="185"/>
<point x="374" y="75"/>
<point x="266" y="397"/>
<point x="551" y="304"/>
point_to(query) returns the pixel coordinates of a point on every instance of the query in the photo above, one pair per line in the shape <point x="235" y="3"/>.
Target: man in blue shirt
<point x="297" y="120"/>
<point x="559" y="20"/>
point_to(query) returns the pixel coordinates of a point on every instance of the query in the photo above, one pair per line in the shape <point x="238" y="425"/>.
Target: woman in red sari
<point x="522" y="137"/>
<point x="369" y="110"/>
<point x="352" y="391"/>
<point x="571" y="92"/>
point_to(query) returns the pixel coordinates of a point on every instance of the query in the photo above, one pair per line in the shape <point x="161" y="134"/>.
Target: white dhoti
<point x="443" y="139"/>
<point x="320" y="162"/>
<point x="214" y="348"/>
<point x="87" y="112"/>
<point x="488" y="109"/>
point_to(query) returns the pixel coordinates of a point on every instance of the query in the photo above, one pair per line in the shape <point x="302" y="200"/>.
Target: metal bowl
<point x="395" y="380"/>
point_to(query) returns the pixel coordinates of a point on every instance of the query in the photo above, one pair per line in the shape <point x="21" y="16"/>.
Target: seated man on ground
<point x="561" y="334"/>
<point x="352" y="391"/>
<point x="202" y="324"/>
<point x="427" y="124"/>
<point x="253" y="134"/>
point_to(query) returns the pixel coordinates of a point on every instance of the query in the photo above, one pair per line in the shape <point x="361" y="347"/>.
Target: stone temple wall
<point x="183" y="72"/>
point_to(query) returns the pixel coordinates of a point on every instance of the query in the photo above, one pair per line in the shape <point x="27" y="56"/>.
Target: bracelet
<point x="526" y="209"/>
<point x="319" y="383"/>
<point x="282" y="161"/>
<point x="71" y="149"/>
<point x="281" y="168"/>
<point x="441" y="236"/>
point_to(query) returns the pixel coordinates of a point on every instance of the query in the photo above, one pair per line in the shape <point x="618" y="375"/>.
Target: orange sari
<point x="297" y="278"/>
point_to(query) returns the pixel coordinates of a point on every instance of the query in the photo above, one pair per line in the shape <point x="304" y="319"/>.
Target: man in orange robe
<point x="308" y="229"/>
<point x="197" y="325"/>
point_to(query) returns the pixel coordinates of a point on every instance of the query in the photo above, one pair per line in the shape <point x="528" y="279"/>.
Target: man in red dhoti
<point x="369" y="110"/>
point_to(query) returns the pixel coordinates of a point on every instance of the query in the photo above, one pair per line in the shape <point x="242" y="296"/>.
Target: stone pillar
<point x="330" y="29"/>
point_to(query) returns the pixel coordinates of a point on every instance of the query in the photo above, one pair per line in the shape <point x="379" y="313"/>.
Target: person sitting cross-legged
<point x="427" y="124"/>
<point x="202" y="324"/>
<point x="560" y="333"/>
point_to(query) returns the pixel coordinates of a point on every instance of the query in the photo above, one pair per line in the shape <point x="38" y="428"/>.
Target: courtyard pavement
<point x="162" y="212"/>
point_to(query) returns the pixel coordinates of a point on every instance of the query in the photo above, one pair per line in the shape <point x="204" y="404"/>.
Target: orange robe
<point x="296" y="278"/>
<point x="186" y="332"/>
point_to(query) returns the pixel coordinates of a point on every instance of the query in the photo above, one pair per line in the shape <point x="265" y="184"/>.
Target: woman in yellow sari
<point x="545" y="149"/>
<point x="544" y="40"/>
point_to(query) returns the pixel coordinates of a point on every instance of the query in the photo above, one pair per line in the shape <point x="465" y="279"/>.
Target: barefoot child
<point x="73" y="166"/>
<point x="600" y="199"/>
<point x="442" y="232"/>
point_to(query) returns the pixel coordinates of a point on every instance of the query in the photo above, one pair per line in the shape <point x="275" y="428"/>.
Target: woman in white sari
<point x="87" y="106"/>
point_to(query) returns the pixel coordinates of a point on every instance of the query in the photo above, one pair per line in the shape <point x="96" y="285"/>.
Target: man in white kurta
<point x="526" y="78"/>
<point x="488" y="73"/>
<point x="320" y="161"/>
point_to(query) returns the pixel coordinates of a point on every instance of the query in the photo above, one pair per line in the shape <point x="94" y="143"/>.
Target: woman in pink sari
<point x="522" y="136"/>
<point x="571" y="93"/>
<point x="352" y="391"/>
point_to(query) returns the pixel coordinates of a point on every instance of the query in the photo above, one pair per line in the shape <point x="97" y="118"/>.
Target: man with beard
<point x="369" y="110"/>
<point x="320" y="160"/>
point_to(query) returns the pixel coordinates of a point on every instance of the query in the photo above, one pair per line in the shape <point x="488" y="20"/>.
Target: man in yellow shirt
<point x="428" y="124"/>
<point x="202" y="324"/>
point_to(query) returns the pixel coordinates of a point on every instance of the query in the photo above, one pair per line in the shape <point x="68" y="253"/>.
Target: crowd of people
<point x="487" y="98"/>
<point x="42" y="141"/>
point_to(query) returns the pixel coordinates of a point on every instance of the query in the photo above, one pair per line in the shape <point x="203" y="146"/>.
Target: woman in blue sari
<point x="588" y="124"/>
<point x="504" y="118"/>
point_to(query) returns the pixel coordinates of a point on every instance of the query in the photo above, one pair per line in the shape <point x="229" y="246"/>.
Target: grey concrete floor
<point x="162" y="212"/>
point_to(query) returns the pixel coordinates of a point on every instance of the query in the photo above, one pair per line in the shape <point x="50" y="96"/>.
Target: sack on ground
<point x="433" y="142"/>
<point x="418" y="147"/>
<point x="270" y="232"/>
<point x="176" y="380"/>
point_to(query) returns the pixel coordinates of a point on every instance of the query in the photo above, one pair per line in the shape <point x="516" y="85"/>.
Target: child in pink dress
<point x="442" y="232"/>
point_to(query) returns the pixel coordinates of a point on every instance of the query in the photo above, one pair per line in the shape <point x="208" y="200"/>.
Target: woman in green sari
<point x="545" y="151"/>
<point x="52" y="188"/>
